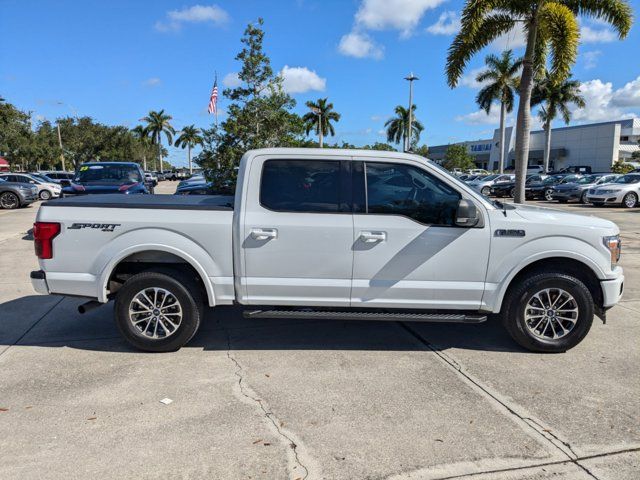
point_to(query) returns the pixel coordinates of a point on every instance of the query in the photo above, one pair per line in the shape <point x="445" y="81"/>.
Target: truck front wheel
<point x="158" y="311"/>
<point x="548" y="312"/>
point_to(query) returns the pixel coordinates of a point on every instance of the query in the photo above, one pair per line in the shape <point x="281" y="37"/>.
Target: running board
<point x="364" y="315"/>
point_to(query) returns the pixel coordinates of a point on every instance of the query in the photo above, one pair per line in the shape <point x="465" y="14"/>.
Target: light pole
<point x="410" y="79"/>
<point x="61" y="149"/>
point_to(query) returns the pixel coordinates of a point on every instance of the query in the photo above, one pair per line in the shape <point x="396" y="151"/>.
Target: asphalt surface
<point x="285" y="399"/>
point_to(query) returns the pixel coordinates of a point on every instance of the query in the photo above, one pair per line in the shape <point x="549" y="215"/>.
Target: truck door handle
<point x="263" y="233"/>
<point x="371" y="237"/>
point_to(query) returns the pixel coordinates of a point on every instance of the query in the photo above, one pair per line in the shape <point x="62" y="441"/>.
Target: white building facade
<point x="598" y="145"/>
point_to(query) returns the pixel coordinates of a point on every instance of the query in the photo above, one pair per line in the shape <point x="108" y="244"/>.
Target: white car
<point x="624" y="190"/>
<point x="477" y="171"/>
<point x="331" y="234"/>
<point x="484" y="184"/>
<point x="46" y="189"/>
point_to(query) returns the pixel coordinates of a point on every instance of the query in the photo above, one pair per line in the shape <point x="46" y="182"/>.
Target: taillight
<point x="43" y="235"/>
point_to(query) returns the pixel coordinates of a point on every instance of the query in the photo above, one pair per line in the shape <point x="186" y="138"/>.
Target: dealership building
<point x="598" y="145"/>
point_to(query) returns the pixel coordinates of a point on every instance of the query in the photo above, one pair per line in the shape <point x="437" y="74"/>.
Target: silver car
<point x="484" y="184"/>
<point x="577" y="190"/>
<point x="47" y="189"/>
<point x="624" y="191"/>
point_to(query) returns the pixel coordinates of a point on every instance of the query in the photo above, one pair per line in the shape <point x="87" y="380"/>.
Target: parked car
<point x="286" y="249"/>
<point x="544" y="189"/>
<point x="208" y="188"/>
<point x="176" y="175"/>
<point x="63" y="178"/>
<point x="577" y="190"/>
<point x="478" y="171"/>
<point x="194" y="180"/>
<point x="508" y="189"/>
<point x="46" y="190"/>
<point x="107" y="177"/>
<point x="151" y="178"/>
<point x="484" y="184"/>
<point x="624" y="190"/>
<point x="16" y="194"/>
<point x="584" y="169"/>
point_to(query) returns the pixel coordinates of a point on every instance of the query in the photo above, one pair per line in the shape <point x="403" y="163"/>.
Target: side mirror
<point x="467" y="214"/>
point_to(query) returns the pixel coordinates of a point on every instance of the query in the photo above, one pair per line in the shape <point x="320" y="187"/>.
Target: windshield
<point x="587" y="179"/>
<point x="552" y="179"/>
<point x="628" y="179"/>
<point x="40" y="176"/>
<point x="108" y="174"/>
<point x="488" y="177"/>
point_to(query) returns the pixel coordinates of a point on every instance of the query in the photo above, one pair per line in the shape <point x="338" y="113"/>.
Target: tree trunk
<point x="160" y="154"/>
<point x="523" y="124"/>
<point x="144" y="162"/>
<point x="320" y="130"/>
<point x="503" y="114"/>
<point x="189" y="154"/>
<point x="547" y="145"/>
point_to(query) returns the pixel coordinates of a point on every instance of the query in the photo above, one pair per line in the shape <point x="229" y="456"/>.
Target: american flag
<point x="213" y="101"/>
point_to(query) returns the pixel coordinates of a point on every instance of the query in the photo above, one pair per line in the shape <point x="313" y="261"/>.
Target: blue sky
<point x="117" y="60"/>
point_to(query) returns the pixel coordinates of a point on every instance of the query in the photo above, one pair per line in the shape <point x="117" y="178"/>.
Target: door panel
<point x="297" y="235"/>
<point x="407" y="251"/>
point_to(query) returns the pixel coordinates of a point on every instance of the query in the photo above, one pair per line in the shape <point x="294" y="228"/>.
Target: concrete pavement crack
<point x="244" y="390"/>
<point x="563" y="446"/>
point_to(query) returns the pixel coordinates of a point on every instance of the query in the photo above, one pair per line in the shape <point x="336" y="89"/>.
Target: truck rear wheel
<point x="548" y="312"/>
<point x="158" y="311"/>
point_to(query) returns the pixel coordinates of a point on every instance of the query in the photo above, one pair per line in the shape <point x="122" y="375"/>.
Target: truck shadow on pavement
<point x="50" y="321"/>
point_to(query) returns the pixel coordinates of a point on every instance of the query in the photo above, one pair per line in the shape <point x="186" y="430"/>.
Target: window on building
<point x="300" y="186"/>
<point x="397" y="189"/>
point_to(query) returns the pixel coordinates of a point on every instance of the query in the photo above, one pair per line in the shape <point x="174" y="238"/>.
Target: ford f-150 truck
<point x="338" y="234"/>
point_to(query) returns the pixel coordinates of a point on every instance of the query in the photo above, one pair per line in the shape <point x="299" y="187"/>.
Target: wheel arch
<point x="579" y="268"/>
<point x="147" y="257"/>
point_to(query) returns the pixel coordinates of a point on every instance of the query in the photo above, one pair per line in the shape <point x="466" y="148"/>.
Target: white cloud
<point x="448" y="23"/>
<point x="604" y="103"/>
<point x="152" y="82"/>
<point x="480" y="117"/>
<point x="627" y="96"/>
<point x="591" y="59"/>
<point x="514" y="38"/>
<point x="212" y="14"/>
<point x="359" y="45"/>
<point x="301" y="79"/>
<point x="596" y="32"/>
<point x="403" y="15"/>
<point x="231" y="80"/>
<point x="469" y="78"/>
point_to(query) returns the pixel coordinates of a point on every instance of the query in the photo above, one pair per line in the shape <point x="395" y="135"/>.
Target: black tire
<point x="9" y="201"/>
<point x="485" y="191"/>
<point x="630" y="200"/>
<point x="45" y="195"/>
<point x="583" y="197"/>
<point x="518" y="296"/>
<point x="182" y="288"/>
<point x="512" y="193"/>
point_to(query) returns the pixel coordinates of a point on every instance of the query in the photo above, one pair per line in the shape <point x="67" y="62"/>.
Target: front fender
<point x="137" y="241"/>
<point x="503" y="269"/>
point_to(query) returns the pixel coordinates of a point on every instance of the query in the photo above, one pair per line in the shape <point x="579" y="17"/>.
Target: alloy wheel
<point x="551" y="314"/>
<point x="630" y="200"/>
<point x="9" y="200"/>
<point x="45" y="195"/>
<point x="547" y="195"/>
<point x="155" y="313"/>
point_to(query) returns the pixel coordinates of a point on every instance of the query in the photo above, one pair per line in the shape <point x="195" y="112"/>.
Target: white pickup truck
<point x="338" y="234"/>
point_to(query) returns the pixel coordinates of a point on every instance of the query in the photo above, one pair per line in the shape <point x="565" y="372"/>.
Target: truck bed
<point x="160" y="202"/>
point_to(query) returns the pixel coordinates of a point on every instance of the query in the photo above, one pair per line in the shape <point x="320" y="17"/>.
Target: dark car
<point x="107" y="177"/>
<point x="227" y="189"/>
<point x="507" y="189"/>
<point x="544" y="189"/>
<point x="63" y="178"/>
<point x="17" y="194"/>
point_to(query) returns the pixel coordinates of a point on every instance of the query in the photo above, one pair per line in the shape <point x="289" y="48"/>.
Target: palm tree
<point x="320" y="118"/>
<point x="398" y="126"/>
<point x="502" y="73"/>
<point x="549" y="25"/>
<point x="157" y="124"/>
<point x="556" y="96"/>
<point x="189" y="137"/>
<point x="140" y="133"/>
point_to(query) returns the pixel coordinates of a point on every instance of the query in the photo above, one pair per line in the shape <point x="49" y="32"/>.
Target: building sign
<point x="483" y="147"/>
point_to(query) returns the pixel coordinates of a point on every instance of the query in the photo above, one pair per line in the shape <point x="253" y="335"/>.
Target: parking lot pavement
<point x="310" y="400"/>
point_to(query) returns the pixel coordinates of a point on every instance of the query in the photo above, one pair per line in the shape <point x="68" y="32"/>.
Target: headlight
<point x="614" y="245"/>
